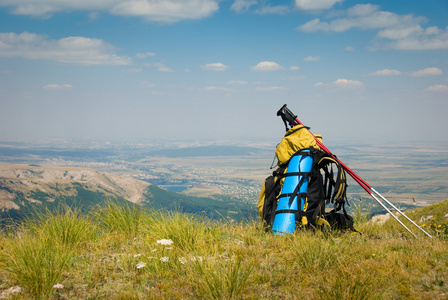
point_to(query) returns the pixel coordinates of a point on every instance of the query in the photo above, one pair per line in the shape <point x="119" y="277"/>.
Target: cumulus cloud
<point x="312" y="58"/>
<point x="217" y="88"/>
<point x="57" y="87"/>
<point x="276" y="9"/>
<point x="294" y="68"/>
<point x="270" y="88"/>
<point x="363" y="16"/>
<point x="219" y="67"/>
<point x="261" y="8"/>
<point x="395" y="31"/>
<point x="427" y="72"/>
<point x="266" y="66"/>
<point x="237" y="82"/>
<point x="438" y="88"/>
<point x="73" y="49"/>
<point x="144" y="55"/>
<point x="347" y="83"/>
<point x="168" y="11"/>
<point x="152" y="10"/>
<point x="316" y="4"/>
<point x="386" y="72"/>
<point x="341" y="83"/>
<point x="162" y="68"/>
<point x="242" y="5"/>
<point x="416" y="38"/>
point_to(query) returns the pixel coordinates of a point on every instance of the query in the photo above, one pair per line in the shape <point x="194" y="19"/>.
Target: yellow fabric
<point x="295" y="139"/>
<point x="322" y="222"/>
<point x="261" y="199"/>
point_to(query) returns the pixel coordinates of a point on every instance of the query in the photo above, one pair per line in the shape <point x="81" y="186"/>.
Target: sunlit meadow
<point x="120" y="252"/>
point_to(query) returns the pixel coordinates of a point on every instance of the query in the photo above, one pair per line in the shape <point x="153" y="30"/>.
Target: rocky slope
<point x="20" y="184"/>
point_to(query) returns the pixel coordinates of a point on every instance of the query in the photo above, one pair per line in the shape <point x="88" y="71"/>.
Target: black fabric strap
<point x="296" y="174"/>
<point x="286" y="211"/>
<point x="296" y="190"/>
<point x="290" y="194"/>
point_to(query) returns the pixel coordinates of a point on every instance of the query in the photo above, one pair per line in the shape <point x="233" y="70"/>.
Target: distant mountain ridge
<point x="25" y="187"/>
<point x="213" y="150"/>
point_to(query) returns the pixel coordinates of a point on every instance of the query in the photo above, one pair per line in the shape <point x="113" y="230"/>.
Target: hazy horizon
<point x="369" y="71"/>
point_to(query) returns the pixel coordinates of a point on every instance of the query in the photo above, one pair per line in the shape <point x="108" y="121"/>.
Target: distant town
<point x="410" y="175"/>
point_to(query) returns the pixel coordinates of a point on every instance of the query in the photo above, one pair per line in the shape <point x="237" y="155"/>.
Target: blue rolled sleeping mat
<point x="294" y="190"/>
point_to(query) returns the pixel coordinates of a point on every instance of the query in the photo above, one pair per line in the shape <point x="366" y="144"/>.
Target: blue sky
<point x="373" y="71"/>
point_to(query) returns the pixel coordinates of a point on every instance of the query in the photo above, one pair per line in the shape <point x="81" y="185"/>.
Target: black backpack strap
<point x="269" y="200"/>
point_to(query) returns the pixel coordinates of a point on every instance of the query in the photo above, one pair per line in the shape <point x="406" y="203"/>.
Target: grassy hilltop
<point x="125" y="252"/>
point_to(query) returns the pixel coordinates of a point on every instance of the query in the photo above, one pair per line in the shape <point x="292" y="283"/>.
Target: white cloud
<point x="162" y="68"/>
<point x="294" y="68"/>
<point x="385" y="72"/>
<point x="415" y="38"/>
<point x="242" y="5"/>
<point x="73" y="49"/>
<point x="270" y="88"/>
<point x="144" y="55"/>
<point x="438" y="88"/>
<point x="399" y="32"/>
<point x="347" y="83"/>
<point x="341" y="83"/>
<point x="266" y="66"/>
<point x="314" y="25"/>
<point x="363" y="16"/>
<point x="427" y="72"/>
<point x="168" y="11"/>
<point x="57" y="87"/>
<point x="316" y="4"/>
<point x="349" y="48"/>
<point x="217" y="88"/>
<point x="312" y="58"/>
<point x="153" y="10"/>
<point x="277" y="9"/>
<point x="219" y="67"/>
<point x="93" y="16"/>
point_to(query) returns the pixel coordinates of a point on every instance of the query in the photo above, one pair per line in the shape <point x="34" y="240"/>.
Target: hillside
<point x="125" y="252"/>
<point x="25" y="187"/>
<point x="21" y="186"/>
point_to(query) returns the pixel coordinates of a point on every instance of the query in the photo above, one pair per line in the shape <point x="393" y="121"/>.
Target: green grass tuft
<point x="127" y="252"/>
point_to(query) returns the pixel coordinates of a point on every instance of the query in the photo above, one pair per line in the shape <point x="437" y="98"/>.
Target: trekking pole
<point x="289" y="117"/>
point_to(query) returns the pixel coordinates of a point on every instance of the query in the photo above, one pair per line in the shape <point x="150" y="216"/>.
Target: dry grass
<point x="120" y="253"/>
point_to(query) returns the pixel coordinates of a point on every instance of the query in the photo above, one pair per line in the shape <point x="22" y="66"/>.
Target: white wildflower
<point x="168" y="248"/>
<point x="58" y="286"/>
<point x="165" y="242"/>
<point x="137" y="255"/>
<point x="140" y="265"/>
<point x="197" y="258"/>
<point x="164" y="259"/>
<point x="154" y="250"/>
<point x="11" y="291"/>
<point x="182" y="260"/>
<point x="152" y="257"/>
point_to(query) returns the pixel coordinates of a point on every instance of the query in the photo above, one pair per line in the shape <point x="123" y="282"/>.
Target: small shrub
<point x="35" y="262"/>
<point x="186" y="231"/>
<point x="222" y="278"/>
<point x="122" y="218"/>
<point x="65" y="225"/>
